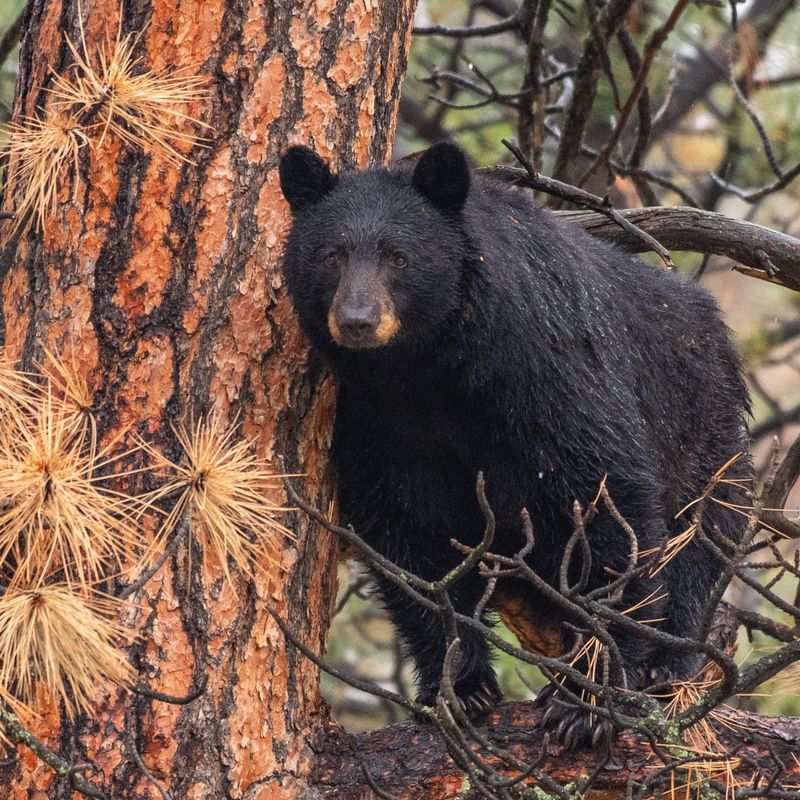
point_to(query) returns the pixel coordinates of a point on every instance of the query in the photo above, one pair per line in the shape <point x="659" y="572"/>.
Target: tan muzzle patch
<point x="336" y="334"/>
<point x="388" y="326"/>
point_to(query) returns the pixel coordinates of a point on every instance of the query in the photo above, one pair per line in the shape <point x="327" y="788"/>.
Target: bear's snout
<point x="362" y="314"/>
<point x="357" y="324"/>
<point x="362" y="327"/>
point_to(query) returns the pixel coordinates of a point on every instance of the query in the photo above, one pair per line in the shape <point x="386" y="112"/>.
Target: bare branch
<point x="130" y="726"/>
<point x="763" y="253"/>
<point x="513" y="23"/>
<point x="583" y="198"/>
<point x="146" y="691"/>
<point x="699" y="74"/>
<point x="530" y="122"/>
<point x="586" y="78"/>
<point x="757" y="124"/>
<point x="754" y="195"/>
<point x="654" y="44"/>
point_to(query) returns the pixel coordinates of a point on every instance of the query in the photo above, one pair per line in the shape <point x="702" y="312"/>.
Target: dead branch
<point x="574" y="194"/>
<point x="654" y="44"/>
<point x="760" y="252"/>
<point x="16" y="732"/>
<point x="710" y="66"/>
<point x="514" y="22"/>
<point x="586" y="78"/>
<point x="511" y="757"/>
<point x="753" y="195"/>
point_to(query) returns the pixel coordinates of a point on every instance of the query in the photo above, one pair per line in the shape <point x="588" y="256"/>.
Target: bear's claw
<point x="478" y="701"/>
<point x="574" y="727"/>
<point x="475" y="699"/>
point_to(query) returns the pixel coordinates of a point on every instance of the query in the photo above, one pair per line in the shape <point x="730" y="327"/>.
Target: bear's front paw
<point x="476" y="698"/>
<point x="571" y="726"/>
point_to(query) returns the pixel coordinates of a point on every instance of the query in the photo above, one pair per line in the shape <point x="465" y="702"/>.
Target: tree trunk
<point x="162" y="282"/>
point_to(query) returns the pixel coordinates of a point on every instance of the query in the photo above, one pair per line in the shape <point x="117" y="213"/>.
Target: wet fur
<point x="543" y="357"/>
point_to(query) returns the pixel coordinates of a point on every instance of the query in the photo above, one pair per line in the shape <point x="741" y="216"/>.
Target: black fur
<point x="305" y="177"/>
<point x="442" y="176"/>
<point x="532" y="352"/>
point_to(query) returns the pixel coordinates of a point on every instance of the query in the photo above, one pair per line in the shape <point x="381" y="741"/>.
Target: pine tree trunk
<point x="163" y="283"/>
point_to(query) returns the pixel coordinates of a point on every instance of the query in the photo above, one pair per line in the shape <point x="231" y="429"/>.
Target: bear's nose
<point x="358" y="321"/>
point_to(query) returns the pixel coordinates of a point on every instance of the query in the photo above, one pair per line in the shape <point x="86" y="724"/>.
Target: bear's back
<point x="637" y="354"/>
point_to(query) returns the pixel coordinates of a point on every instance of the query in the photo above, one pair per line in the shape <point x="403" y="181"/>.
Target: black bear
<point x="471" y="331"/>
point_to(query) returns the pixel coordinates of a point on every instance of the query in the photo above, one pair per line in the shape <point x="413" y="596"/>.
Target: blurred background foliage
<point x="468" y="89"/>
<point x="9" y="14"/>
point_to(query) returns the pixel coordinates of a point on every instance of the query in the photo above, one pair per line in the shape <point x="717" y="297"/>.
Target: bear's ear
<point x="442" y="176"/>
<point x="305" y="177"/>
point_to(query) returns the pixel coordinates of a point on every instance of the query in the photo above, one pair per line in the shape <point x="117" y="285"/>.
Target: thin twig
<point x="184" y="700"/>
<point x="179" y="535"/>
<point x="530" y="122"/>
<point x="754" y="195"/>
<point x="130" y="724"/>
<point x="587" y="75"/>
<point x="357" y="683"/>
<point x="381" y="793"/>
<point x="511" y="23"/>
<point x="583" y="198"/>
<point x="654" y="44"/>
<point x="757" y="124"/>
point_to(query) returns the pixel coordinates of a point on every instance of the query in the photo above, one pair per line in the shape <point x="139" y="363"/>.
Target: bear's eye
<point x="399" y="260"/>
<point x="331" y="260"/>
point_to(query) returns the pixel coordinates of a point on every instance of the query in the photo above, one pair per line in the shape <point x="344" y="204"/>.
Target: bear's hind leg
<point x="689" y="577"/>
<point x="576" y="725"/>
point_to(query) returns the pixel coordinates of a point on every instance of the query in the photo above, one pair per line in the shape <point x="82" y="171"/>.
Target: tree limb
<point x="760" y="252"/>
<point x="430" y="774"/>
<point x="710" y="66"/>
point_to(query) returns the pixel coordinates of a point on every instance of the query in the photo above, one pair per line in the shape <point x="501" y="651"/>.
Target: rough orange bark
<point x="162" y="283"/>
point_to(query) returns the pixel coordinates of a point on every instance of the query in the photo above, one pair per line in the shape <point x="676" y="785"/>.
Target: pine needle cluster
<point x="39" y="151"/>
<point x="116" y="94"/>
<point x="678" y="542"/>
<point x="224" y="487"/>
<point x="109" y="93"/>
<point x="61" y="533"/>
<point x="693" y="784"/>
<point x="64" y="532"/>
<point x="57" y="518"/>
<point x="701" y="737"/>
<point x="53" y="638"/>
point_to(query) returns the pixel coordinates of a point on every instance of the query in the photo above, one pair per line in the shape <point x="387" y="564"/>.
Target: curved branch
<point x="15" y="732"/>
<point x="574" y="194"/>
<point x="760" y="252"/>
<point x="710" y="66"/>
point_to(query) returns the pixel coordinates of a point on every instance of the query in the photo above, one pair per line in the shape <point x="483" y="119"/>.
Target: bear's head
<point x="376" y="258"/>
